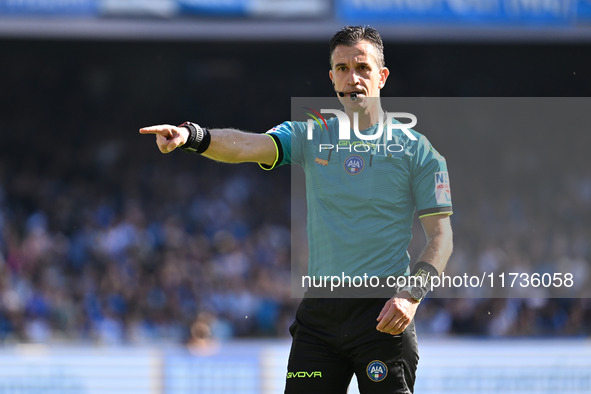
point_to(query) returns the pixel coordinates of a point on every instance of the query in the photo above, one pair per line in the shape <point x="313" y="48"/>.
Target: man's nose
<point x="353" y="77"/>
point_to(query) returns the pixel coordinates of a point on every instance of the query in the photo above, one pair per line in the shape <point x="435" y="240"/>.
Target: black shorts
<point x="336" y="337"/>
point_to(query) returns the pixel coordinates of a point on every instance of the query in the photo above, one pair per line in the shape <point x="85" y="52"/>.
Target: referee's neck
<point x="366" y="117"/>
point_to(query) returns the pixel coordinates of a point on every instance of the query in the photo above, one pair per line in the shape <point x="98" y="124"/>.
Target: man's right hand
<point x="168" y="137"/>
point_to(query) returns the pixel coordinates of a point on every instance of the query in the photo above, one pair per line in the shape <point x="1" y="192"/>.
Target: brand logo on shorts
<point x="377" y="371"/>
<point x="304" y="374"/>
<point x="354" y="164"/>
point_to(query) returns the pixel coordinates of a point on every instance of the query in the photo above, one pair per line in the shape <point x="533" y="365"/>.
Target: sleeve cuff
<point x="278" y="156"/>
<point x="435" y="211"/>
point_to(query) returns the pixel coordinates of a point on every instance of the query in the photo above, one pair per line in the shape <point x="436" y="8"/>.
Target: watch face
<point x="416" y="293"/>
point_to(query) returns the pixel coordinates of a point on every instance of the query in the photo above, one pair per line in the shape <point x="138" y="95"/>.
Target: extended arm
<point x="399" y="311"/>
<point x="227" y="145"/>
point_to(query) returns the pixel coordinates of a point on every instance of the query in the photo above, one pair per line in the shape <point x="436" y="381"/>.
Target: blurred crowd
<point x="105" y="240"/>
<point x="138" y="257"/>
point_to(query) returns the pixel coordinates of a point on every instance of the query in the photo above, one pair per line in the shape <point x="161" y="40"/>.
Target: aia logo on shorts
<point x="354" y="164"/>
<point x="377" y="371"/>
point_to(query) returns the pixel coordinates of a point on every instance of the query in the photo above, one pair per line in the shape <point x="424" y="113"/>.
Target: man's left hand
<point x="397" y="314"/>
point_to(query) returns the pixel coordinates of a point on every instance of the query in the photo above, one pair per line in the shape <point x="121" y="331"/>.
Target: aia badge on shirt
<point x="442" y="192"/>
<point x="377" y="371"/>
<point x="354" y="164"/>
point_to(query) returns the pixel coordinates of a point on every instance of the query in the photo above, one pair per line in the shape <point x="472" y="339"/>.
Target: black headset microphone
<point x="353" y="95"/>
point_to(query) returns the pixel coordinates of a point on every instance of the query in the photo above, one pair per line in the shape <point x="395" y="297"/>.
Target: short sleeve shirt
<point x="362" y="195"/>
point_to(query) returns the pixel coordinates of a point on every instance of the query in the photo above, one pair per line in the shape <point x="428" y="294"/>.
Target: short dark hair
<point x="351" y="35"/>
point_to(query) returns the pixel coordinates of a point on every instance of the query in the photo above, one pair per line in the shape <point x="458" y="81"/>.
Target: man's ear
<point x="330" y="76"/>
<point x="384" y="72"/>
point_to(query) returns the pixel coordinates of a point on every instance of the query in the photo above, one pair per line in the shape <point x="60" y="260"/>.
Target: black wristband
<point x="425" y="271"/>
<point x="198" y="140"/>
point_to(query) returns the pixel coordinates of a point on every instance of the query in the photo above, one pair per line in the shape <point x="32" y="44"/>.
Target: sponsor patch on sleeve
<point x="442" y="191"/>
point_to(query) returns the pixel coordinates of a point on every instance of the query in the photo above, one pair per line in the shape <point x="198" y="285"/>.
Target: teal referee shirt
<point x="362" y="195"/>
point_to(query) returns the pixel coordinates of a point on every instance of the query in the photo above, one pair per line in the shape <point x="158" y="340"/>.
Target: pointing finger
<point x="163" y="130"/>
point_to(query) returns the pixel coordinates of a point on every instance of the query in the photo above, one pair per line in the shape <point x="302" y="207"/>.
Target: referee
<point x="360" y="213"/>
